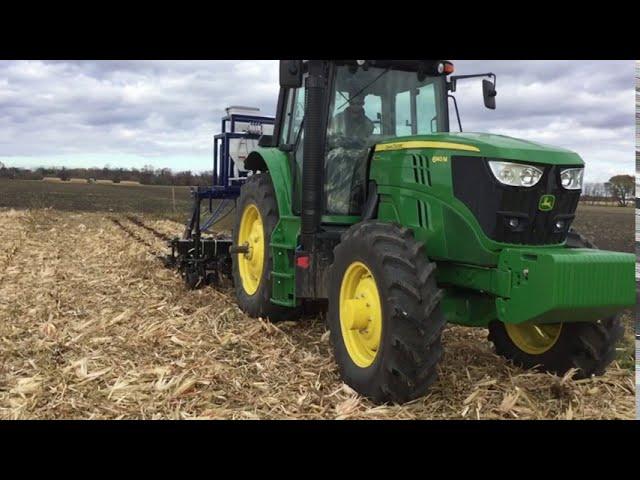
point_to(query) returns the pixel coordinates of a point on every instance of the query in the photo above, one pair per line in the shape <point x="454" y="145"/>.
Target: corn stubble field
<point x="93" y="326"/>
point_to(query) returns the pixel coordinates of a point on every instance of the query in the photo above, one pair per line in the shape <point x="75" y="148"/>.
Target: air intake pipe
<point x="313" y="165"/>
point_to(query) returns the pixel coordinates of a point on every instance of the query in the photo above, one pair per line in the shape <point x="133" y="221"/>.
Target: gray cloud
<point x="586" y="106"/>
<point x="165" y="112"/>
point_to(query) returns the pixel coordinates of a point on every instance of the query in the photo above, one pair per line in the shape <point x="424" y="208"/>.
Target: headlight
<point x="515" y="174"/>
<point x="571" y="178"/>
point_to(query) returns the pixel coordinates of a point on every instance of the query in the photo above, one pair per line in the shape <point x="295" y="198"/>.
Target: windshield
<point x="367" y="107"/>
<point x="395" y="102"/>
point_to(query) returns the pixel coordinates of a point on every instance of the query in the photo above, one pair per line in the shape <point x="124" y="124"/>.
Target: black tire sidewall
<point x="412" y="321"/>
<point x="554" y="360"/>
<point x="568" y="351"/>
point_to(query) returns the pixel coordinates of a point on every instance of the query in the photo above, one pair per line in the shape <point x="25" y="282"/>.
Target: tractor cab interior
<point x="366" y="106"/>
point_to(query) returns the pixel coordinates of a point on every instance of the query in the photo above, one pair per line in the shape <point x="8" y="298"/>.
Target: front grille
<point x="494" y="204"/>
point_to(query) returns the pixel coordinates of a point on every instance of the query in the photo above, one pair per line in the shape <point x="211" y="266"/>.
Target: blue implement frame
<point x="223" y="186"/>
<point x="201" y="259"/>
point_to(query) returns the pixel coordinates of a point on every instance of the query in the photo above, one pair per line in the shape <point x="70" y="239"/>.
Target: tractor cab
<point x="363" y="104"/>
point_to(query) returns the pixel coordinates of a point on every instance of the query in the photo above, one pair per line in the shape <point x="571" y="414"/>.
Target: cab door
<point x="348" y="149"/>
<point x="291" y="140"/>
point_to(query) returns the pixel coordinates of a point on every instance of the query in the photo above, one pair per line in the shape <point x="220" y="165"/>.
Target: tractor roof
<point x="430" y="67"/>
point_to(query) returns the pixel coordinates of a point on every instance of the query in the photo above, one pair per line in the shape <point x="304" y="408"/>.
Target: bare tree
<point x="64" y="175"/>
<point x="622" y="188"/>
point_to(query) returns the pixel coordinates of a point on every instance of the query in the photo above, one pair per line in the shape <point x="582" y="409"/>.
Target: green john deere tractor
<point x="363" y="199"/>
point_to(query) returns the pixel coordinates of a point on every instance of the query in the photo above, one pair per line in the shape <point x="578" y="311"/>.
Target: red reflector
<point x="448" y="68"/>
<point x="302" y="262"/>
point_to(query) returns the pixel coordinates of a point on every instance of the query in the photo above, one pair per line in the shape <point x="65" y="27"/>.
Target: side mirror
<point x="290" y="73"/>
<point x="489" y="93"/>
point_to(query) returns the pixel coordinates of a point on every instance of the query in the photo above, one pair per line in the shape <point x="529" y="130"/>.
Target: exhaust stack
<point x="312" y="169"/>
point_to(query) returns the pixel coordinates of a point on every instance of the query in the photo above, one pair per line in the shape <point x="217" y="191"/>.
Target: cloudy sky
<point x="164" y="113"/>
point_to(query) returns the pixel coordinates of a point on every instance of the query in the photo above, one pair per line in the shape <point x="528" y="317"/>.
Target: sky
<point x="164" y="113"/>
<point x="638" y="128"/>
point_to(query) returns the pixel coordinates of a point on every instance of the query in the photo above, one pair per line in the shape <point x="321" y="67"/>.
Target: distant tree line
<point x="146" y="175"/>
<point x="619" y="190"/>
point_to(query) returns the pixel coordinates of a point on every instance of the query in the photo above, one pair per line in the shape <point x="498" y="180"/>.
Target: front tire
<point x="556" y="348"/>
<point x="384" y="313"/>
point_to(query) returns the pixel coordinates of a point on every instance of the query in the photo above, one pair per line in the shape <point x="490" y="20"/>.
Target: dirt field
<point x="92" y="326"/>
<point x="150" y="200"/>
<point x="612" y="228"/>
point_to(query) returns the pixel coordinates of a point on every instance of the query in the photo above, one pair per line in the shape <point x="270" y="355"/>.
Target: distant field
<point x="611" y="228"/>
<point x="84" y="180"/>
<point x="149" y="200"/>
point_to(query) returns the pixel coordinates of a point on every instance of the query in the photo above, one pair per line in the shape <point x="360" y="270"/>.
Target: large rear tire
<point x="256" y="217"/>
<point x="587" y="346"/>
<point x="384" y="313"/>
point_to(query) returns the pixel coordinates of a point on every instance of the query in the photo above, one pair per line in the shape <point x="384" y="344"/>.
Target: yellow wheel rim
<point x="251" y="234"/>
<point x="534" y="339"/>
<point x="360" y="314"/>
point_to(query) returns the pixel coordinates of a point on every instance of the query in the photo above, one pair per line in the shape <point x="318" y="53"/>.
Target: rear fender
<point x="276" y="163"/>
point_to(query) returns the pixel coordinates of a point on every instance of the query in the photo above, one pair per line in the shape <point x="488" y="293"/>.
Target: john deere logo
<point x="546" y="203"/>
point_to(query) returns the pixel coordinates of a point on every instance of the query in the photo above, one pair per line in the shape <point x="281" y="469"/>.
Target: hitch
<point x="201" y="261"/>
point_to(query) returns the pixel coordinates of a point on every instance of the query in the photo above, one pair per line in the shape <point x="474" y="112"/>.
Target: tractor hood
<point x="487" y="145"/>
